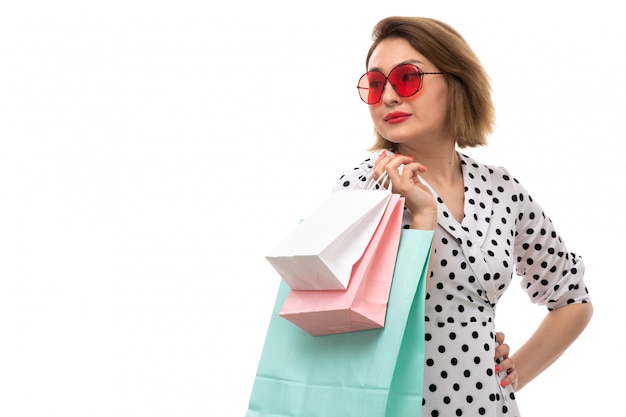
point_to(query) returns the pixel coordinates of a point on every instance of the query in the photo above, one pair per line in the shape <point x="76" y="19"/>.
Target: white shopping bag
<point x="320" y="252"/>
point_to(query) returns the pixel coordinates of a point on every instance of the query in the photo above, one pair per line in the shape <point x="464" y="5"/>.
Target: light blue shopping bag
<point x="369" y="373"/>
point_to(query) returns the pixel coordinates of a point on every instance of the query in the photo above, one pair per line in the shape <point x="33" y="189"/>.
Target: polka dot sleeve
<point x="355" y="179"/>
<point x="551" y="275"/>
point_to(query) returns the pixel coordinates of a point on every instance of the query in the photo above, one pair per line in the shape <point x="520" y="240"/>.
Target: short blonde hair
<point x="471" y="115"/>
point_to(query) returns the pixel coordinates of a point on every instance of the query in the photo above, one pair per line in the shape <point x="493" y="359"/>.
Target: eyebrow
<point x="408" y="61"/>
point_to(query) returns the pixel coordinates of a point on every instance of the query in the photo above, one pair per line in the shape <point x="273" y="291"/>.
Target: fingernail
<point x="383" y="154"/>
<point x="497" y="368"/>
<point x="503" y="384"/>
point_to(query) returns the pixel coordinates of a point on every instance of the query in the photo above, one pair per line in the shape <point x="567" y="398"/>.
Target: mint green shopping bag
<point x="368" y="373"/>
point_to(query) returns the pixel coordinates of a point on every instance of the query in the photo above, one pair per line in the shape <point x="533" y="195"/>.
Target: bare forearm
<point x="555" y="334"/>
<point x="426" y="220"/>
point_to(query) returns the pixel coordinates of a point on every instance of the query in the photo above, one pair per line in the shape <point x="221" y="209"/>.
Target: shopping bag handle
<point x="377" y="184"/>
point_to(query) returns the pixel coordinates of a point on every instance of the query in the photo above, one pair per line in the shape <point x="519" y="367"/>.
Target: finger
<point x="409" y="172"/>
<point x="510" y="380"/>
<point x="399" y="159"/>
<point x="502" y="350"/>
<point x="392" y="167"/>
<point x="499" y="338"/>
<point x="505" y="365"/>
<point x="381" y="162"/>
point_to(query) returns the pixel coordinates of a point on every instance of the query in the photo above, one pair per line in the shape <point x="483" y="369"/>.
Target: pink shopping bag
<point x="363" y="305"/>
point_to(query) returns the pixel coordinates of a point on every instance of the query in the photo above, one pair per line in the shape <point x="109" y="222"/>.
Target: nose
<point x="390" y="95"/>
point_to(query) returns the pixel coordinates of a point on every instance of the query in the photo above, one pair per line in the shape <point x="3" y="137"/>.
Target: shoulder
<point x="355" y="177"/>
<point x="499" y="175"/>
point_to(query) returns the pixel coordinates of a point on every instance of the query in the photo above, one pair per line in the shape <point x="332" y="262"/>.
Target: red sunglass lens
<point x="406" y="79"/>
<point x="371" y="86"/>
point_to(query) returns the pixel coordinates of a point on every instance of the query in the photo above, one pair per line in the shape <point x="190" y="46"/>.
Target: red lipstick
<point x="396" y="117"/>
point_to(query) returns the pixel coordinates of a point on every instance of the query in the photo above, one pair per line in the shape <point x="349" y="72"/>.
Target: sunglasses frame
<point x="419" y="71"/>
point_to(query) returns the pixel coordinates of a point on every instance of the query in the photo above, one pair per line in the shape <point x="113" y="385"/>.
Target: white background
<point x="151" y="153"/>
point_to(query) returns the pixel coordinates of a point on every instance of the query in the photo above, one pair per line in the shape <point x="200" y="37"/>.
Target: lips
<point x="396" y="117"/>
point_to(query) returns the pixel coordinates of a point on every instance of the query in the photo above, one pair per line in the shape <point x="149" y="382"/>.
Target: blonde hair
<point x="471" y="114"/>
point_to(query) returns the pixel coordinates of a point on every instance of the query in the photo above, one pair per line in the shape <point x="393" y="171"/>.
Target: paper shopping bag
<point x="371" y="373"/>
<point x="363" y="305"/>
<point x="320" y="252"/>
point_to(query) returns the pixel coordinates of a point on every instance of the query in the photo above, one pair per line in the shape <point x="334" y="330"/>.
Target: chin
<point x="396" y="140"/>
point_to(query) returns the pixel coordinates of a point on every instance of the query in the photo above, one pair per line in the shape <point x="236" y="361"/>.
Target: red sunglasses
<point x="406" y="79"/>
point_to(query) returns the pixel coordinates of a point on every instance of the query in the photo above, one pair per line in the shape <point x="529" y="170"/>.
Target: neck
<point x="444" y="166"/>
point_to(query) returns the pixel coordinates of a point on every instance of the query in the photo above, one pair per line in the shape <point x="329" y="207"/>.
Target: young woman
<point x="429" y="97"/>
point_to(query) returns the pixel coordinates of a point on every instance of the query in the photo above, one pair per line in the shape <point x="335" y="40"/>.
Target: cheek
<point x="434" y="107"/>
<point x="377" y="112"/>
<point x="442" y="109"/>
<point x="441" y="102"/>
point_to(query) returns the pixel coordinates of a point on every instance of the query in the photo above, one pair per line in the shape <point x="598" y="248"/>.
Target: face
<point x="417" y="119"/>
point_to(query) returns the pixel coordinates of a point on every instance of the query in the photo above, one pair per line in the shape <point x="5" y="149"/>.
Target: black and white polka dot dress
<point x="503" y="231"/>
